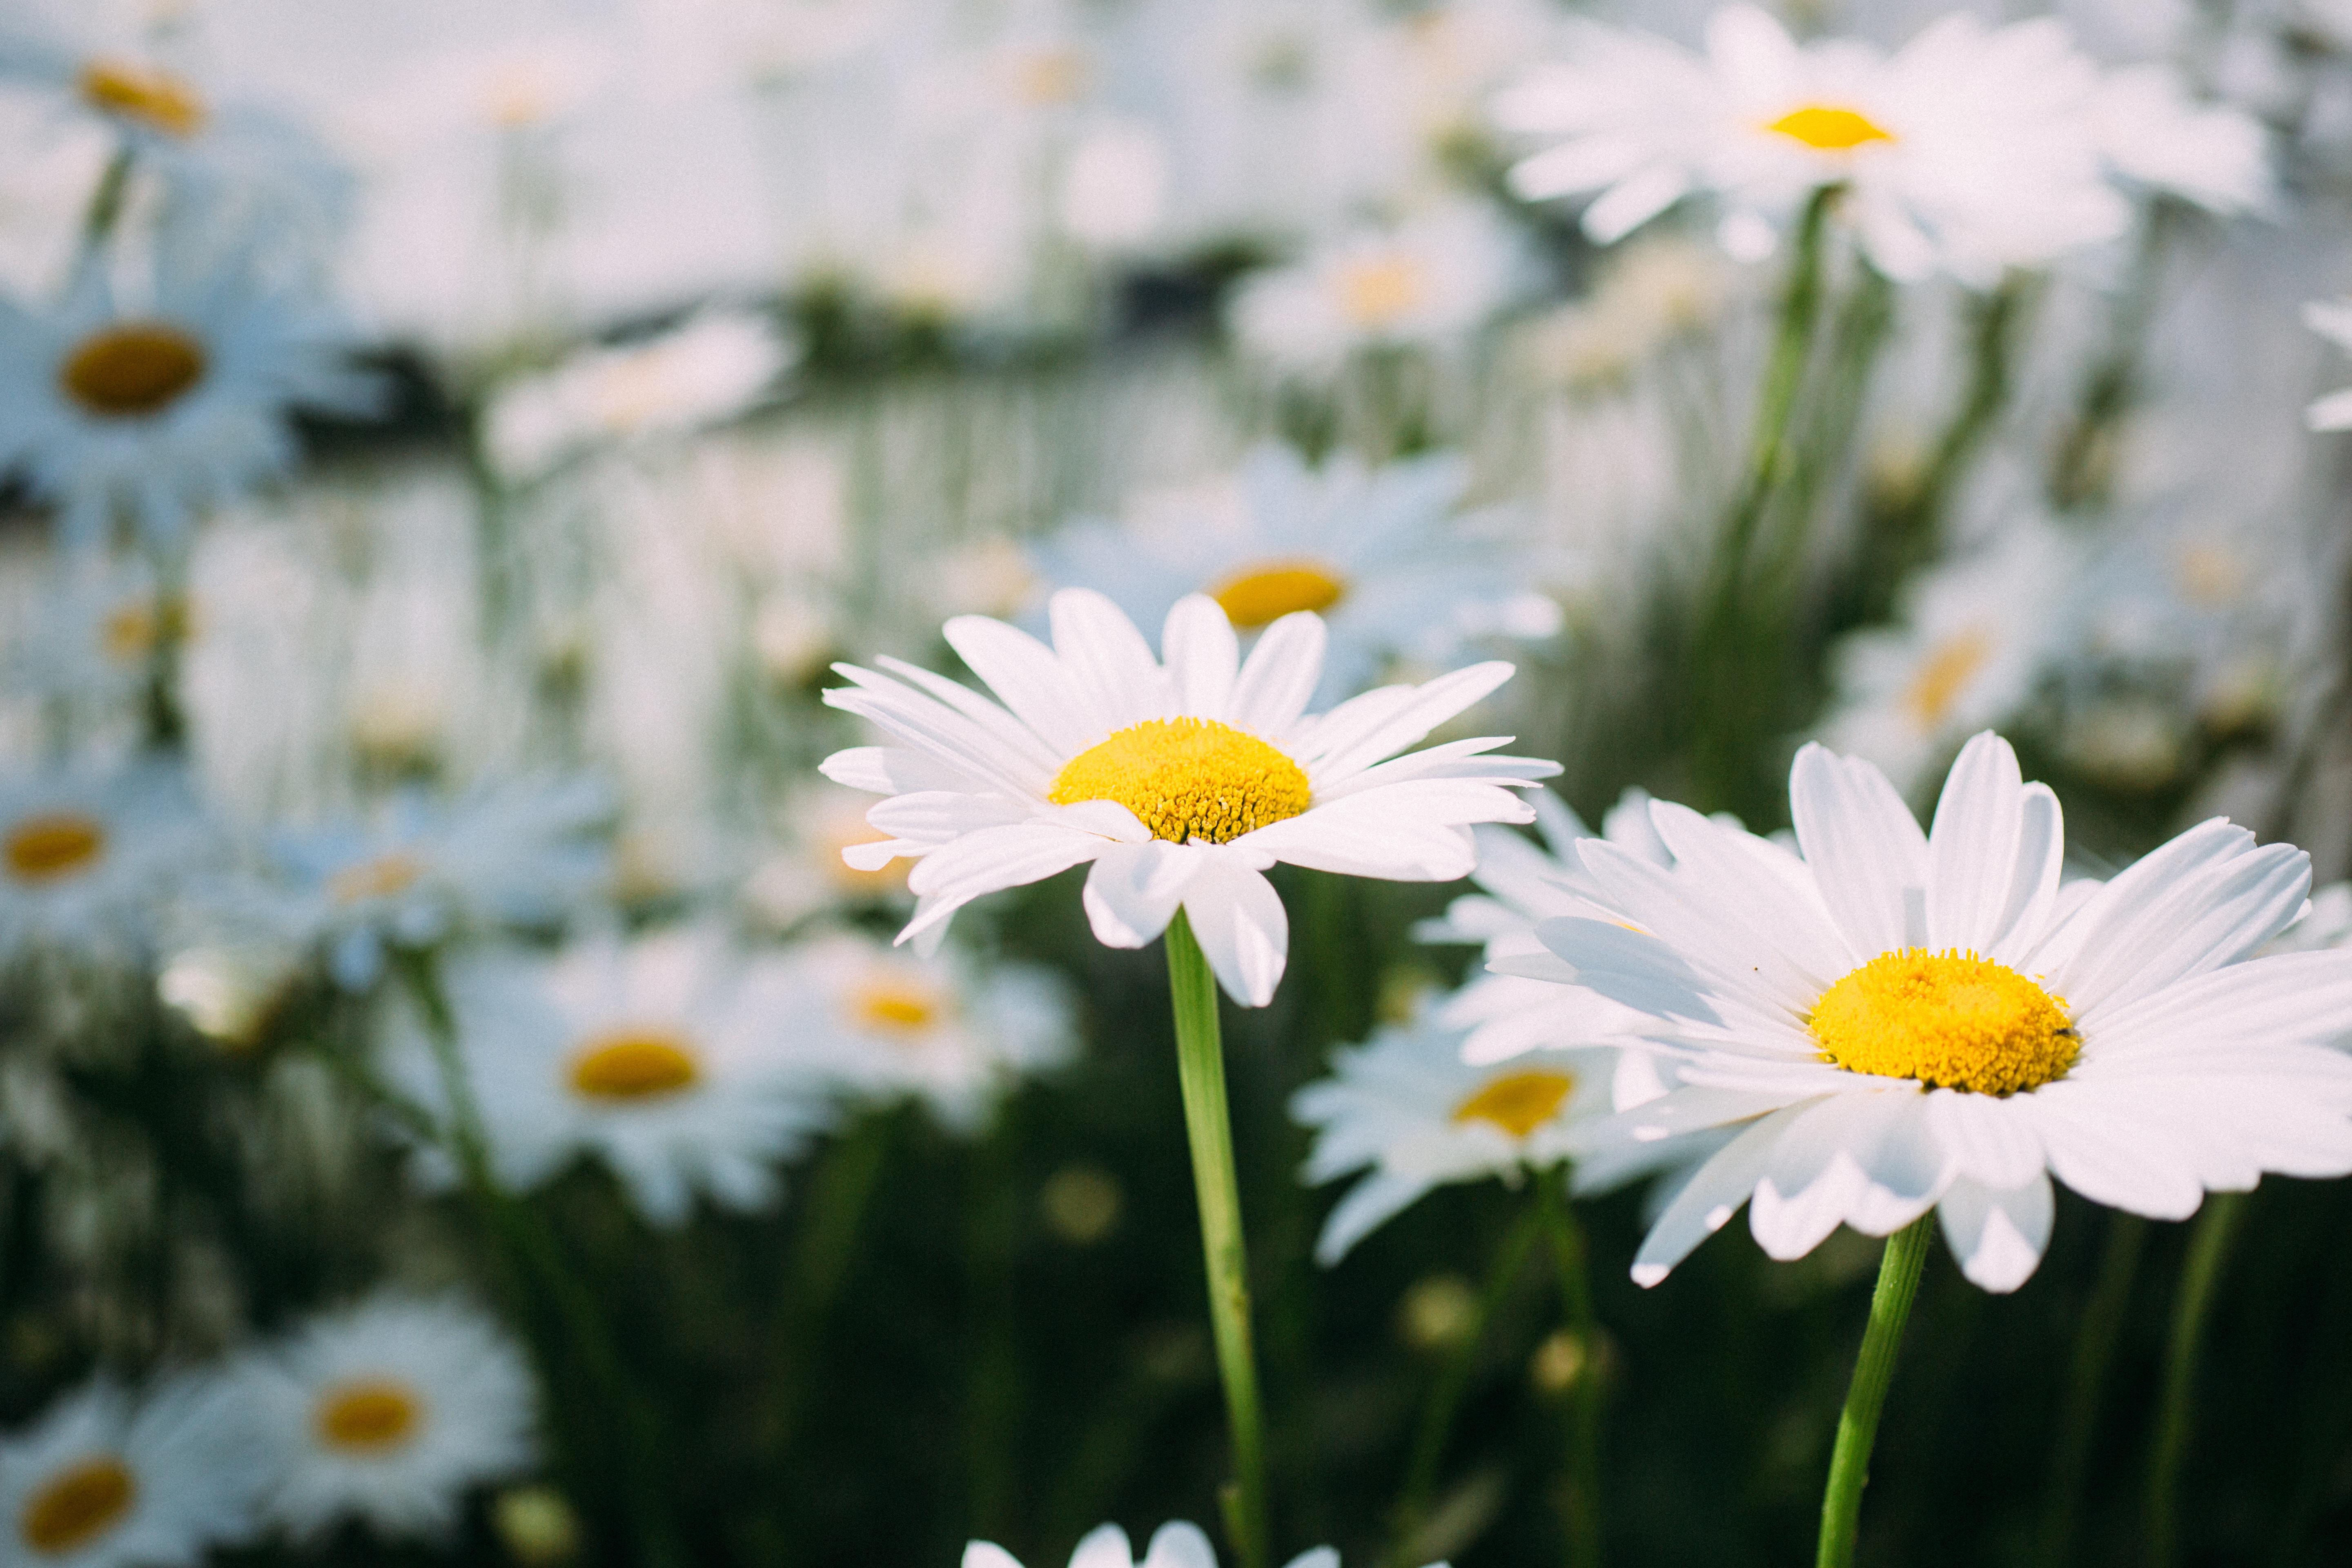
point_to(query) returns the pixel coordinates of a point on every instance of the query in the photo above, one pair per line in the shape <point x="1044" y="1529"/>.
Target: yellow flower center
<point x="1950" y="1018"/>
<point x="1377" y="293"/>
<point x="369" y="1416"/>
<point x="895" y="1005"/>
<point x="52" y="845"/>
<point x="633" y="1066"/>
<point x="137" y="627"/>
<point x="1828" y="129"/>
<point x="1187" y="778"/>
<point x="1046" y="77"/>
<point x="1517" y="1103"/>
<point x="76" y="1507"/>
<point x="1944" y="674"/>
<point x="383" y="876"/>
<point x="155" y="99"/>
<point x="1262" y="594"/>
<point x="133" y="370"/>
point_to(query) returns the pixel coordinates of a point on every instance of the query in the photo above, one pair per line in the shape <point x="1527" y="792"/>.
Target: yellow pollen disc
<point x="369" y="1416"/>
<point x="138" y="627"/>
<point x="1187" y="779"/>
<point x="133" y="370"/>
<point x="384" y="877"/>
<point x="52" y="845"/>
<point x="1947" y="1018"/>
<point x="1517" y="1103"/>
<point x="1944" y="674"/>
<point x="155" y="99"/>
<point x="896" y="1006"/>
<point x="1263" y="593"/>
<point x="633" y="1066"/>
<point x="1377" y="293"/>
<point x="76" y="1507"/>
<point x="1828" y="129"/>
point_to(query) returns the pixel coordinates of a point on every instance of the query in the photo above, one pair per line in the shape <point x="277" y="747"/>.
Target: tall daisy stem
<point x="1201" y="1068"/>
<point x="1587" y="1391"/>
<point x="1890" y="1308"/>
<point x="2095" y="1353"/>
<point x="2208" y="1248"/>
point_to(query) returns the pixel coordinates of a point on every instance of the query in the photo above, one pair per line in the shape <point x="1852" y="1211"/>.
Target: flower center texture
<point x="1187" y="778"/>
<point x="75" y="1508"/>
<point x="155" y="99"/>
<point x="133" y="370"/>
<point x="380" y="877"/>
<point x="1950" y="1018"/>
<point x="52" y="845"/>
<point x="1263" y="593"/>
<point x="370" y="1416"/>
<point x="1517" y="1103"/>
<point x="1377" y="293"/>
<point x="1944" y="674"/>
<point x="626" y="1068"/>
<point x="896" y="1006"/>
<point x="1828" y="129"/>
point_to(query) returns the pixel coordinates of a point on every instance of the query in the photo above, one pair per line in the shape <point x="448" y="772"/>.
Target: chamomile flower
<point x="666" y="1056"/>
<point x="2332" y="320"/>
<point x="1179" y="784"/>
<point x="1916" y="1021"/>
<point x="2158" y="137"/>
<point x="1177" y="1544"/>
<point x="388" y="1413"/>
<point x="151" y="413"/>
<point x="1390" y="559"/>
<point x="87" y="854"/>
<point x="1969" y="151"/>
<point x="103" y="1479"/>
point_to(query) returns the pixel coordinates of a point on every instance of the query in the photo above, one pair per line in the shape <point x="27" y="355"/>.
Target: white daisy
<point x="102" y="1481"/>
<point x="153" y="413"/>
<point x="665" y="1055"/>
<point x="2158" y="136"/>
<point x="2332" y="320"/>
<point x="1177" y="1544"/>
<point x="388" y="1412"/>
<point x="1179" y="784"/>
<point x="87" y="856"/>
<point x="1388" y="556"/>
<point x="1969" y="152"/>
<point x="1406" y="1106"/>
<point x="1908" y="1021"/>
<point x="882" y="1025"/>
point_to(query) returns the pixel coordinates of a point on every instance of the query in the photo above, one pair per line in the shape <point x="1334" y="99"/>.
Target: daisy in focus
<point x="1179" y="784"/>
<point x="1969" y="151"/>
<point x="1928" y="1021"/>
<point x="1177" y="1544"/>
<point x="1388" y="557"/>
<point x="389" y="1413"/>
<point x="87" y="855"/>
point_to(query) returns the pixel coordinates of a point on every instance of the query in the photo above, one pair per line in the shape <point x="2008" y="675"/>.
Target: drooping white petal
<point x="1709" y="1199"/>
<point x="1238" y="919"/>
<point x="989" y="860"/>
<point x="1371" y="1202"/>
<point x="1997" y="1234"/>
<point x="1133" y="890"/>
<point x="1988" y="1142"/>
<point x="1860" y="1158"/>
<point x="2120" y="1161"/>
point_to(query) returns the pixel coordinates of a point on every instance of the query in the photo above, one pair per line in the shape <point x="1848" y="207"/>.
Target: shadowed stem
<point x="1890" y="1306"/>
<point x="2208" y="1247"/>
<point x="2094" y="1353"/>
<point x="1201" y="1069"/>
<point x="1586" y="1390"/>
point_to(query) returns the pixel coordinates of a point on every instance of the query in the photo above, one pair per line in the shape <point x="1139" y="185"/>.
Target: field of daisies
<point x="1175" y="783"/>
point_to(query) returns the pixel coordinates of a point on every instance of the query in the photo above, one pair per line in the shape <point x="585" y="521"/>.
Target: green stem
<point x="1201" y="1069"/>
<point x="1890" y="1306"/>
<point x="105" y="209"/>
<point x="2208" y="1247"/>
<point x="2094" y="1355"/>
<point x="1587" y="1392"/>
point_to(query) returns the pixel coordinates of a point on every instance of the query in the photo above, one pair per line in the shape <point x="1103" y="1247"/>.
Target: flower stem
<point x="1890" y="1306"/>
<point x="2208" y="1246"/>
<point x="2094" y="1353"/>
<point x="1201" y="1068"/>
<point x="1586" y="1392"/>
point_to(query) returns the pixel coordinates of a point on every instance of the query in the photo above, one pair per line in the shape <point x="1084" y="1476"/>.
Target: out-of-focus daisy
<point x="1406" y="1109"/>
<point x="104" y="1480"/>
<point x="101" y="621"/>
<point x="1428" y="282"/>
<point x="1388" y="557"/>
<point x="703" y="372"/>
<point x="1927" y="1022"/>
<point x="882" y="1023"/>
<point x="2332" y="320"/>
<point x="389" y="1412"/>
<point x="1181" y="784"/>
<point x="809" y="876"/>
<point x="1177" y="1544"/>
<point x="1969" y="151"/>
<point x="151" y="413"/>
<point x="87" y="856"/>
<point x="666" y="1056"/>
<point x="2159" y="137"/>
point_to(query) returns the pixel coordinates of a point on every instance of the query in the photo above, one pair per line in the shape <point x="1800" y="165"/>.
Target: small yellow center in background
<point x="897" y="1006"/>
<point x="155" y="99"/>
<point x="76" y="1507"/>
<point x="133" y="370"/>
<point x="1827" y="129"/>
<point x="52" y="845"/>
<point x="369" y="1416"/>
<point x="1378" y="293"/>
<point x="384" y="877"/>
<point x="137" y="627"/>
<point x="1947" y="1018"/>
<point x="1517" y="1103"/>
<point x="1187" y="779"/>
<point x="1048" y="77"/>
<point x="633" y="1067"/>
<point x="1945" y="674"/>
<point x="1261" y="594"/>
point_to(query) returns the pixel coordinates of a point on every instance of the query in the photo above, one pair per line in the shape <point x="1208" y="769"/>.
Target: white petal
<point x="1709" y="1199"/>
<point x="1990" y="1143"/>
<point x="1107" y="659"/>
<point x="1631" y="967"/>
<point x="2119" y="1160"/>
<point x="1105" y="1546"/>
<point x="988" y="1554"/>
<point x="1998" y="1233"/>
<point x="1179" y="1545"/>
<point x="2289" y="998"/>
<point x="1133" y="890"/>
<point x="1368" y="1205"/>
<point x="1030" y="680"/>
<point x="1993" y="853"/>
<point x="1339" y="750"/>
<point x="1826" y="1168"/>
<point x="1316" y="1557"/>
<point x="992" y="858"/>
<point x="1202" y="655"/>
<point x="1280" y="675"/>
<point x="1239" y="920"/>
<point x="1865" y="847"/>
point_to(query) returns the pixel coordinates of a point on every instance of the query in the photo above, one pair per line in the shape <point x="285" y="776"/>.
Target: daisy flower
<point x="1909" y="1021"/>
<point x="102" y="1481"/>
<point x="388" y="1412"/>
<point x="1388" y="557"/>
<point x="86" y="854"/>
<point x="154" y="412"/>
<point x="883" y="1025"/>
<point x="2157" y="136"/>
<point x="1179" y="784"/>
<point x="1177" y="1544"/>
<point x="666" y="1056"/>
<point x="1970" y="151"/>
<point x="2332" y="320"/>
